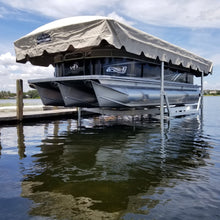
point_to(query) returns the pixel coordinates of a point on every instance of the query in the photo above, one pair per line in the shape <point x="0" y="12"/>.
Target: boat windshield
<point x="118" y="67"/>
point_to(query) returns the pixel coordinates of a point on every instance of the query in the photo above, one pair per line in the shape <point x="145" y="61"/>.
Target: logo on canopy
<point x="43" y="38"/>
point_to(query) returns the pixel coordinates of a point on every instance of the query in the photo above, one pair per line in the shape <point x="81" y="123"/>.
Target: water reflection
<point x="109" y="171"/>
<point x="0" y="143"/>
<point x="21" y="142"/>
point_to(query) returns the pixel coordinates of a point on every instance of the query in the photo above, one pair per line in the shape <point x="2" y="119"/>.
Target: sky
<point x="191" y="24"/>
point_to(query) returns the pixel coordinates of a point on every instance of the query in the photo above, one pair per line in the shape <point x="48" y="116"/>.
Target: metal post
<point x="168" y="105"/>
<point x="202" y="92"/>
<point x="162" y="92"/>
<point x="0" y="143"/>
<point x="19" y="99"/>
<point x="79" y="117"/>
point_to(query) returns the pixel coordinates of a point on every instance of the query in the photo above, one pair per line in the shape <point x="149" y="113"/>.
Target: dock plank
<point x="10" y="116"/>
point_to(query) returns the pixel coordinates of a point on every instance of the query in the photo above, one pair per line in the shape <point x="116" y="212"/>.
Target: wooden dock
<point x="21" y="113"/>
<point x="10" y="117"/>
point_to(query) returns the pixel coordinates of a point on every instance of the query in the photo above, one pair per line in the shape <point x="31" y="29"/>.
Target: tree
<point x="33" y="94"/>
<point x="6" y="95"/>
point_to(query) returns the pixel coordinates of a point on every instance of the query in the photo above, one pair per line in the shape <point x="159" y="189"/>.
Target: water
<point x="4" y="102"/>
<point x="51" y="170"/>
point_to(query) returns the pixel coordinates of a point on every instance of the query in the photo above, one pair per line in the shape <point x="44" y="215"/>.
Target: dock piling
<point x="19" y="99"/>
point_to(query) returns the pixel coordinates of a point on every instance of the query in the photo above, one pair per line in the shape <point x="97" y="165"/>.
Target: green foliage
<point x="212" y="92"/>
<point x="6" y="95"/>
<point x="32" y="94"/>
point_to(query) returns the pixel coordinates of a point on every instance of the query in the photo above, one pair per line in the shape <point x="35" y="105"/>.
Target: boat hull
<point x="110" y="91"/>
<point x="49" y="93"/>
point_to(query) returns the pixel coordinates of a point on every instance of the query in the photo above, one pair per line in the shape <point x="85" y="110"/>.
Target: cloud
<point x="195" y="14"/>
<point x="60" y="9"/>
<point x="210" y="85"/>
<point x="172" y="13"/>
<point x="169" y="13"/>
<point x="216" y="59"/>
<point x="120" y="18"/>
<point x="3" y="12"/>
<point x="10" y="71"/>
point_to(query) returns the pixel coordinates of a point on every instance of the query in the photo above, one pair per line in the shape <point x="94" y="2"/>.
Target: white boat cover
<point x="40" y="46"/>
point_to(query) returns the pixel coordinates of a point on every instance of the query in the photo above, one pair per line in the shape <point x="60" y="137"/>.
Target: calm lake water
<point x="25" y="101"/>
<point x="51" y="170"/>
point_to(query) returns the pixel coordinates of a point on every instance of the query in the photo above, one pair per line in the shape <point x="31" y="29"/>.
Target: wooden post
<point x="21" y="142"/>
<point x="19" y="99"/>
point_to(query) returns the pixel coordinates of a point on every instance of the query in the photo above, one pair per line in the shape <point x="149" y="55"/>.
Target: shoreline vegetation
<point x="31" y="94"/>
<point x="211" y="92"/>
<point x="8" y="99"/>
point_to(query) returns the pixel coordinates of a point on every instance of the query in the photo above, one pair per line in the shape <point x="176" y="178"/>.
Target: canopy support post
<point x="202" y="92"/>
<point x="167" y="103"/>
<point x="162" y="94"/>
<point x="79" y="118"/>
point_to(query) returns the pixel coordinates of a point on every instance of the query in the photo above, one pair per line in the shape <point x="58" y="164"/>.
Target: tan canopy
<point x="40" y="46"/>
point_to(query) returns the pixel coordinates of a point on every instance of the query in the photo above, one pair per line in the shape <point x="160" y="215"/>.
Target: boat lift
<point x="63" y="41"/>
<point x="164" y="111"/>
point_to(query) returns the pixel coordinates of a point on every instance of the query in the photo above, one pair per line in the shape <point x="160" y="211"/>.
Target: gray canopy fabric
<point x="40" y="46"/>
